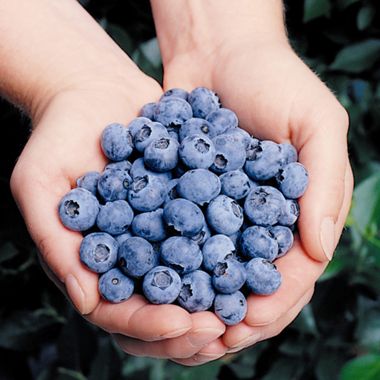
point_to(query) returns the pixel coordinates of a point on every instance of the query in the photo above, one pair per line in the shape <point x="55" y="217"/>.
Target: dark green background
<point x="337" y="336"/>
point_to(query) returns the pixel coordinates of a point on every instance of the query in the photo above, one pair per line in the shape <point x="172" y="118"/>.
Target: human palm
<point x="63" y="146"/>
<point x="277" y="97"/>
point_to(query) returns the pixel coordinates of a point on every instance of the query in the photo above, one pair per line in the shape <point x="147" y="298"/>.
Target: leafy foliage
<point x="337" y="336"/>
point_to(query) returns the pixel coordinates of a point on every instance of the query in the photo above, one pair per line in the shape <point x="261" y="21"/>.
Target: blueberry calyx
<point x="71" y="208"/>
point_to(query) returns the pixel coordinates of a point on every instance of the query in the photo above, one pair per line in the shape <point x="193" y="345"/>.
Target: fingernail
<point x="205" y="357"/>
<point x="175" y="333"/>
<point x="327" y="236"/>
<point x="201" y="337"/>
<point x="75" y="293"/>
<point x="244" y="343"/>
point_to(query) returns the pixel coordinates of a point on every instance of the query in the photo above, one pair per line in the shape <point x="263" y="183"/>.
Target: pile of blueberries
<point x="191" y="209"/>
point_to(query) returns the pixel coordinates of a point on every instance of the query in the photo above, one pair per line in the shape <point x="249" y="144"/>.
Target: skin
<point x="77" y="81"/>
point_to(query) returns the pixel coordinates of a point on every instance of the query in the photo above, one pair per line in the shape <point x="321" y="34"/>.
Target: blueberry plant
<point x="337" y="336"/>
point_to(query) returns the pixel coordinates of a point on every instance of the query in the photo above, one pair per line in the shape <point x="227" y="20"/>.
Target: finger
<point x="323" y="141"/>
<point x="242" y="335"/>
<point x="139" y="319"/>
<point x="299" y="273"/>
<point x="206" y="327"/>
<point x="59" y="249"/>
<point x="58" y="246"/>
<point x="212" y="351"/>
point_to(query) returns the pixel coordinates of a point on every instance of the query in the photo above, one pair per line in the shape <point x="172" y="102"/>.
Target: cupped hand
<point x="277" y="97"/>
<point x="64" y="144"/>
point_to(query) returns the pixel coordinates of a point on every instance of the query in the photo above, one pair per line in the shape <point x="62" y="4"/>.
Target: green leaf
<point x="365" y="17"/>
<point x="365" y="367"/>
<point x="336" y="266"/>
<point x="365" y="209"/>
<point x="68" y="374"/>
<point x="357" y="57"/>
<point x="315" y="8"/>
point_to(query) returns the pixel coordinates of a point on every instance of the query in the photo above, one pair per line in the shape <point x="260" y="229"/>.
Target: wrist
<point x="55" y="47"/>
<point x="204" y="31"/>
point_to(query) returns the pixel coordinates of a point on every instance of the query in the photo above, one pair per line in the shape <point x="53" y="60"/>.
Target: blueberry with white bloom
<point x="116" y="142"/>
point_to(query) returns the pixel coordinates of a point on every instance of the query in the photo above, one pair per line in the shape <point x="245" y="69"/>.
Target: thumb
<point x="38" y="201"/>
<point x="324" y="153"/>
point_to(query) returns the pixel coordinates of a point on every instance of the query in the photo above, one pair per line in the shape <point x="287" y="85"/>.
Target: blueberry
<point x="176" y="93"/>
<point x="201" y="237"/>
<point x="288" y="153"/>
<point x="290" y="213"/>
<point x="253" y="149"/>
<point x="262" y="276"/>
<point x="148" y="133"/>
<point x="199" y="186"/>
<point x="197" y="293"/>
<point x="197" y="151"/>
<point x="194" y="126"/>
<point x="115" y="217"/>
<point x="124" y="165"/>
<point x="184" y="216"/>
<point x="230" y="308"/>
<point x="181" y="254"/>
<point x="203" y="101"/>
<point x="293" y="180"/>
<point x="258" y="241"/>
<point x="136" y="124"/>
<point x="161" y="155"/>
<point x="284" y="237"/>
<point x="221" y="120"/>
<point x="216" y="249"/>
<point x="150" y="225"/>
<point x="235" y="238"/>
<point x="229" y="276"/>
<point x="173" y="132"/>
<point x="172" y="190"/>
<point x="264" y="205"/>
<point x="264" y="161"/>
<point x="116" y="142"/>
<point x="224" y="215"/>
<point x="113" y="184"/>
<point x="89" y="181"/>
<point x="235" y="184"/>
<point x="115" y="287"/>
<point x="230" y="153"/>
<point x="98" y="251"/>
<point x="148" y="110"/>
<point x="161" y="285"/>
<point x="241" y="135"/>
<point x="147" y="193"/>
<point x="123" y="237"/>
<point x="172" y="110"/>
<point x="78" y="209"/>
<point x="139" y="169"/>
<point x="136" y="257"/>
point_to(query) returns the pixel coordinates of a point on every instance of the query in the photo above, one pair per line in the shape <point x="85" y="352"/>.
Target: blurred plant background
<point x="337" y="336"/>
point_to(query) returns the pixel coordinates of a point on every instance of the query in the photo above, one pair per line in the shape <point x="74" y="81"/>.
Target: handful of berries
<point x="191" y="209"/>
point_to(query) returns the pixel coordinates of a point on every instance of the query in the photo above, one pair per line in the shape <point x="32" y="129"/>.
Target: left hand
<point x="277" y="97"/>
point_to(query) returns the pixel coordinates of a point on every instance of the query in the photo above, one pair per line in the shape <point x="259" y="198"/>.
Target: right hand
<point x="64" y="145"/>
